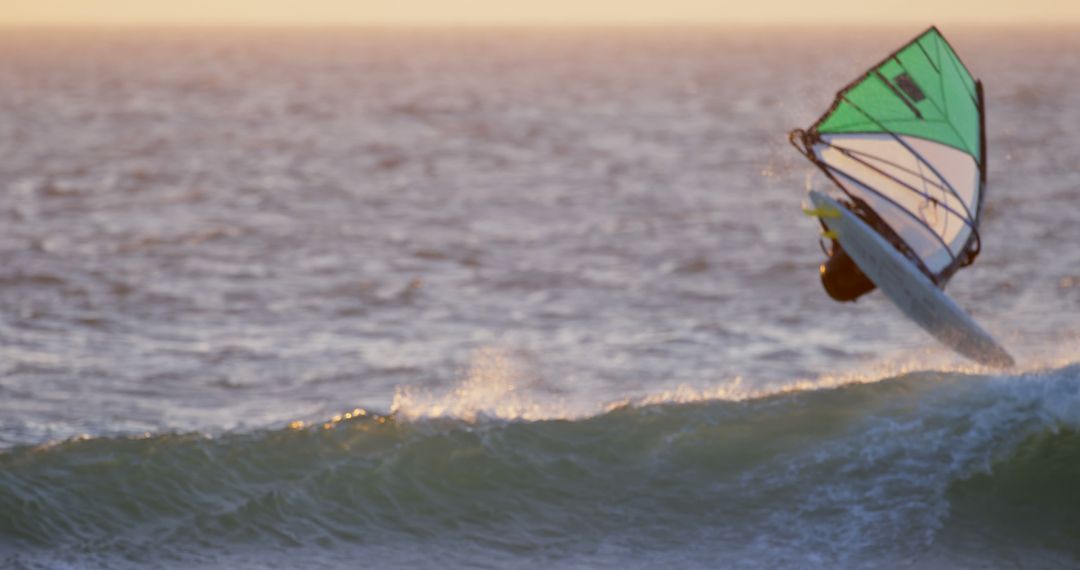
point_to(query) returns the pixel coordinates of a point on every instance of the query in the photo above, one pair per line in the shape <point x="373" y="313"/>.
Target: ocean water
<point x="517" y="298"/>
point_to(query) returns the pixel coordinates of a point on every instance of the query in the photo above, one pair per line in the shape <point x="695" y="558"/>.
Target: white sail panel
<point x="955" y="166"/>
<point x="925" y="191"/>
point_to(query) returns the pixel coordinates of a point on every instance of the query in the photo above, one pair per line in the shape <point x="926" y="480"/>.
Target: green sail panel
<point x="922" y="90"/>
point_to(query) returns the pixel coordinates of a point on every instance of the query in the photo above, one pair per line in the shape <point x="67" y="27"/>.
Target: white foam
<point x="499" y="385"/>
<point x="495" y="386"/>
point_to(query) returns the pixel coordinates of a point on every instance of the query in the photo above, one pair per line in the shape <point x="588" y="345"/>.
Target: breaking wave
<point x="926" y="467"/>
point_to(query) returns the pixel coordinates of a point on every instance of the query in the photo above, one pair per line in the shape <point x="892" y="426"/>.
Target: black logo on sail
<point x="909" y="87"/>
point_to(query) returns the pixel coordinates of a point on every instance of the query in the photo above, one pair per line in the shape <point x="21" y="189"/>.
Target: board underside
<point x="908" y="288"/>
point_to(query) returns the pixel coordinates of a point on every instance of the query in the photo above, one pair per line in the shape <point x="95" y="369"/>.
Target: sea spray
<point x="496" y="385"/>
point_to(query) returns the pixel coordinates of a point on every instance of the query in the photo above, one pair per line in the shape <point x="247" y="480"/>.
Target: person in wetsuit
<point x="845" y="282"/>
<point x="840" y="276"/>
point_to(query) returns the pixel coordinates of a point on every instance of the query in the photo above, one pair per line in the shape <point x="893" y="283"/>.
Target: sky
<point x="484" y="12"/>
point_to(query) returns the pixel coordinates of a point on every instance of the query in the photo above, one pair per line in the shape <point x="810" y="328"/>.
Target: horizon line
<point x="511" y="24"/>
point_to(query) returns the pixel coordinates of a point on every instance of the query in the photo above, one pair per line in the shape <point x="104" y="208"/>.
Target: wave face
<point x="921" y="470"/>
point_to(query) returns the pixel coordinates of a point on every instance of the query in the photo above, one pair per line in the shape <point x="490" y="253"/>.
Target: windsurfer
<point x="840" y="276"/>
<point x="842" y="279"/>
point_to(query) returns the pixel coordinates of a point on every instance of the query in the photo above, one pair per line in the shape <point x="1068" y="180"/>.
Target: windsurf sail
<point x="906" y="140"/>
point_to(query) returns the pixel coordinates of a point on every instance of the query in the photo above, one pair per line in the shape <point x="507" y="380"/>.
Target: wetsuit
<point x="840" y="276"/>
<point x="842" y="279"/>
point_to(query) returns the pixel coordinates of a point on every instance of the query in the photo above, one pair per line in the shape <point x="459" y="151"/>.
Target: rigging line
<point x="908" y="187"/>
<point x="941" y="76"/>
<point x="959" y="61"/>
<point x="941" y="84"/>
<point x="890" y="163"/>
<point x="914" y="152"/>
<point x="922" y="223"/>
<point x="907" y="120"/>
<point x="955" y="263"/>
<point x="849" y="130"/>
<point x="902" y="246"/>
<point x="930" y="61"/>
<point x="900" y="167"/>
<point x="973" y="246"/>
<point x="852" y="128"/>
<point x="954" y="59"/>
<point x="926" y="189"/>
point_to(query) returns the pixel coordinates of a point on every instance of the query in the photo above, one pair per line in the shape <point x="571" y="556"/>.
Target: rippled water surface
<point x="558" y="272"/>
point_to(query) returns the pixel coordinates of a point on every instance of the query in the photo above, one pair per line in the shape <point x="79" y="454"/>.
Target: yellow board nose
<point x="822" y="212"/>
